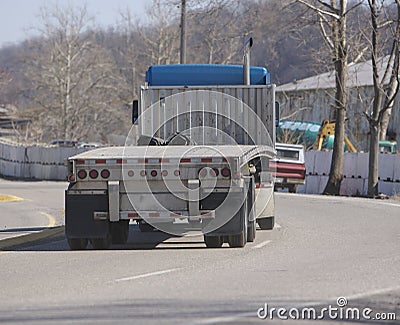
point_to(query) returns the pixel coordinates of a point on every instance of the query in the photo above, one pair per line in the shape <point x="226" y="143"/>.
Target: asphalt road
<point x="27" y="207"/>
<point x="323" y="248"/>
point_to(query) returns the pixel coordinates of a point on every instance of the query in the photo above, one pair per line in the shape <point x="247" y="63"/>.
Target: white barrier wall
<point x="35" y="162"/>
<point x="355" y="173"/>
<point x="47" y="163"/>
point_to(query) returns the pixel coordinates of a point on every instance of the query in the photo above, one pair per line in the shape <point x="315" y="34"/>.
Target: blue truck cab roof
<point x="204" y="75"/>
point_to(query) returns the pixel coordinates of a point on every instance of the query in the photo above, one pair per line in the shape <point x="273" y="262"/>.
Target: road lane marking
<point x="262" y="244"/>
<point x="9" y="198"/>
<point x="50" y="218"/>
<point x="224" y="319"/>
<point x="146" y="275"/>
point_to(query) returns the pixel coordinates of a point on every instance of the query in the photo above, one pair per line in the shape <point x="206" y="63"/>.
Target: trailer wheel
<point x="77" y="243"/>
<point x="240" y="239"/>
<point x="251" y="231"/>
<point x="213" y="241"/>
<point x="101" y="243"/>
<point x="266" y="223"/>
<point x="120" y="232"/>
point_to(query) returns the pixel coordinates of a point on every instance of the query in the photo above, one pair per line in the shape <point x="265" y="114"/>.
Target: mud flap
<point x="79" y="214"/>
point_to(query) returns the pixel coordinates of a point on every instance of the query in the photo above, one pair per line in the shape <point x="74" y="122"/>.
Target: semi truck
<point x="196" y="162"/>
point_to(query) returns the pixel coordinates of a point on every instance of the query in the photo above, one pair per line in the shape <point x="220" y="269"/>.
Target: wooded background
<point x="77" y="80"/>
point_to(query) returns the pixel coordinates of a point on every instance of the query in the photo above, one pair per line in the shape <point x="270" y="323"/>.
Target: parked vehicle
<point x="289" y="166"/>
<point x="202" y="163"/>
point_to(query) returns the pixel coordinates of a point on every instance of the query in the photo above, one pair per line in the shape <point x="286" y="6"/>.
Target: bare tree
<point x="386" y="84"/>
<point x="71" y="77"/>
<point x="161" y="36"/>
<point x="332" y="18"/>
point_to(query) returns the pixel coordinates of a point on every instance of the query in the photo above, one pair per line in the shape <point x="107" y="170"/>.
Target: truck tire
<point x="213" y="241"/>
<point x="101" y="243"/>
<point x="120" y="231"/>
<point x="145" y="227"/>
<point x="266" y="223"/>
<point x="293" y="188"/>
<point x="251" y="231"/>
<point x="236" y="241"/>
<point x="77" y="243"/>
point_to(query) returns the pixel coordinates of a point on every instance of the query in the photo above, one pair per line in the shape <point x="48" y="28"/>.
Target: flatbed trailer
<point x="195" y="162"/>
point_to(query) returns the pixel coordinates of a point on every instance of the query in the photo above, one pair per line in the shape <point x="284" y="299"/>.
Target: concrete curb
<point x="30" y="238"/>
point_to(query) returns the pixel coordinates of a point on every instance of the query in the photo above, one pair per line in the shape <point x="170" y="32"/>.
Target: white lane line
<point x="262" y="244"/>
<point x="146" y="275"/>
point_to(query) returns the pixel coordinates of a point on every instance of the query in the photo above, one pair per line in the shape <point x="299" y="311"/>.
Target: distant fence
<point x="355" y="172"/>
<point x="47" y="163"/>
<point x="35" y="162"/>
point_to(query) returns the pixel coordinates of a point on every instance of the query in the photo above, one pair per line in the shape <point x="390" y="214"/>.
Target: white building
<point x="313" y="98"/>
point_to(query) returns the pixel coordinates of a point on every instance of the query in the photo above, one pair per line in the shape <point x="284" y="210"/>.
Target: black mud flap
<point x="79" y="218"/>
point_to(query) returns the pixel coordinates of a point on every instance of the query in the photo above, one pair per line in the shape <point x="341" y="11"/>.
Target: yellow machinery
<point x="328" y="128"/>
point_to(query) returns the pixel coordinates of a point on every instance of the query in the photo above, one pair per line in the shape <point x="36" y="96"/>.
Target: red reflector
<point x="80" y="162"/>
<point x="177" y="172"/>
<point x="153" y="173"/>
<point x="214" y="172"/>
<point x="236" y="175"/>
<point x="100" y="161"/>
<point x="133" y="215"/>
<point x="259" y="185"/>
<point x="131" y="173"/>
<point x="208" y="160"/>
<point x="143" y="161"/>
<point x="143" y="173"/>
<point x="164" y="160"/>
<point x="185" y="160"/>
<point x="72" y="178"/>
<point x="121" y="161"/>
<point x="203" y="172"/>
<point x="82" y="174"/>
<point x="154" y="214"/>
<point x="226" y="172"/>
<point x="105" y="173"/>
<point x="93" y="173"/>
<point x="165" y="173"/>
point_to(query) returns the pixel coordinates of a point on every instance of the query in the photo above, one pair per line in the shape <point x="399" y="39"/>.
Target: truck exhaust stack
<point x="246" y="61"/>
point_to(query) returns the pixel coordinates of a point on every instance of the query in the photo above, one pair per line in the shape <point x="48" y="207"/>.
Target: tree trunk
<point x="340" y="57"/>
<point x="373" y="160"/>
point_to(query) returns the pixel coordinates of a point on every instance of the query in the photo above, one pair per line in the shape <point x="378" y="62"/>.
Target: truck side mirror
<point x="277" y="114"/>
<point x="135" y="110"/>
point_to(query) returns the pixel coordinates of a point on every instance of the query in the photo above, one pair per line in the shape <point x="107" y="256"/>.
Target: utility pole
<point x="183" y="32"/>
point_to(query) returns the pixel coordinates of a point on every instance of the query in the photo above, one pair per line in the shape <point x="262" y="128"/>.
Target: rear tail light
<point x="93" y="173"/>
<point x="105" y="173"/>
<point x="203" y="172"/>
<point x="177" y="172"/>
<point x="82" y="174"/>
<point x="165" y="173"/>
<point x="153" y="173"/>
<point x="131" y="173"/>
<point x="214" y="172"/>
<point x="143" y="173"/>
<point x="71" y="178"/>
<point x="226" y="172"/>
